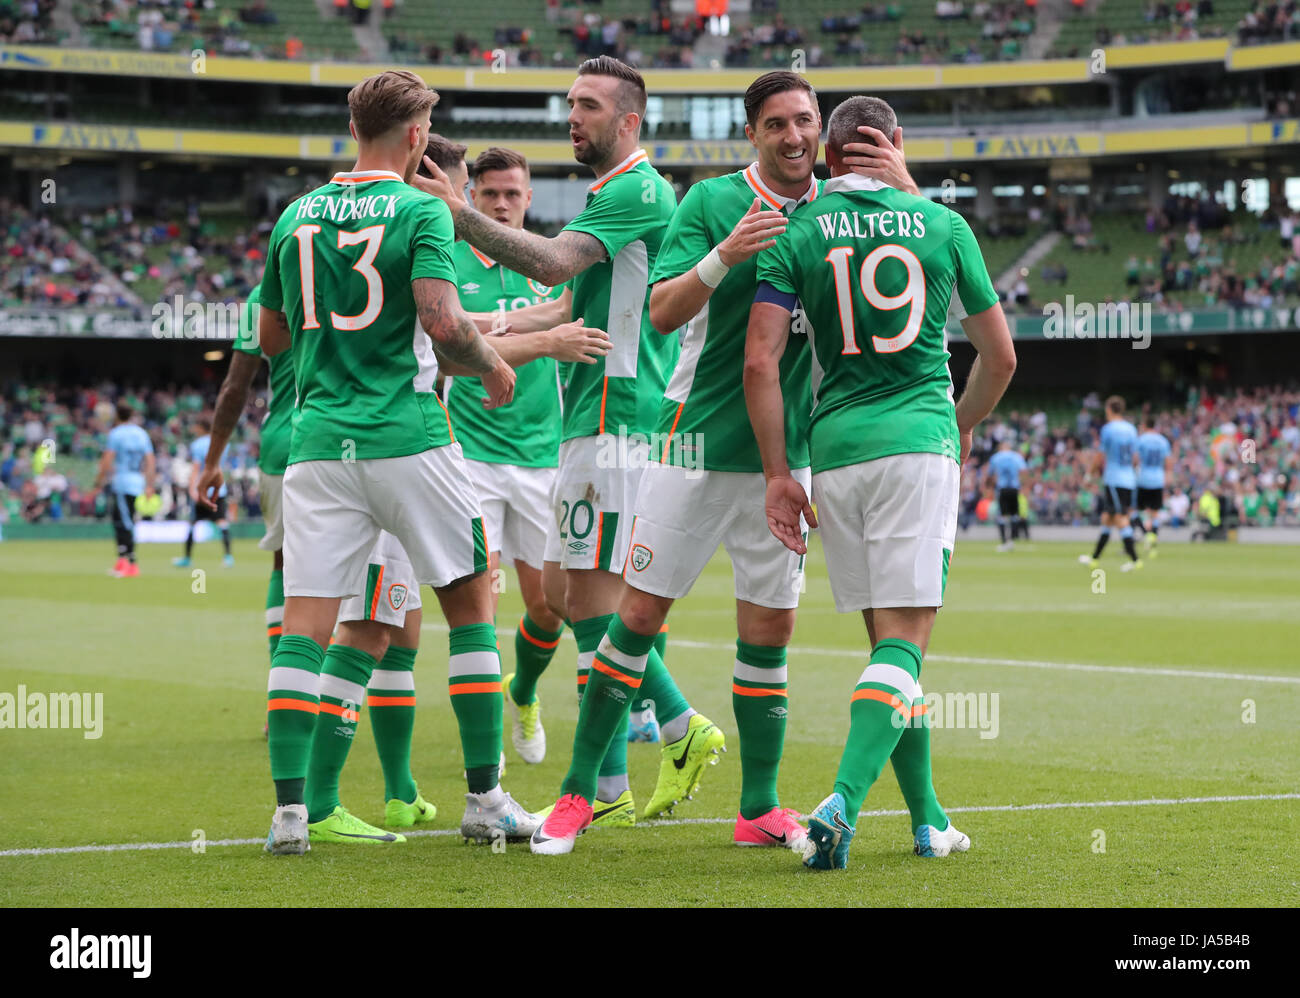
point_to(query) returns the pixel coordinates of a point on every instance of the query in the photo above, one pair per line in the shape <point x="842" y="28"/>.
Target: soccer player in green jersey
<point x="875" y="270"/>
<point x="349" y="268"/>
<point x="610" y="409"/>
<point x="512" y="452"/>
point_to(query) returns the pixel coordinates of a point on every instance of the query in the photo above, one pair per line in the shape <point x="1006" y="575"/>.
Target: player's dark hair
<point x="388" y="100"/>
<point x="499" y="158"/>
<point x="124" y="412"/>
<point x="204" y="424"/>
<point x="769" y="85"/>
<point x="1115" y="404"/>
<point x="845" y="120"/>
<point x="446" y="154"/>
<point x="631" y="92"/>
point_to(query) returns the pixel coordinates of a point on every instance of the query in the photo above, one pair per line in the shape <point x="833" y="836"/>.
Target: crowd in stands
<point x="117" y="258"/>
<point x="1242" y="447"/>
<point x="26" y="22"/>
<point x="1270" y="22"/>
<point x="52" y="437"/>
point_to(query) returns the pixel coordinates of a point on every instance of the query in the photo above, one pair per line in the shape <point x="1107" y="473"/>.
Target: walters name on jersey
<point x="875" y="270"/>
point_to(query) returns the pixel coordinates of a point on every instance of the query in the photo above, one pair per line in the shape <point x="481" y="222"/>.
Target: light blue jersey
<point x="1118" y="442"/>
<point x="199" y="454"/>
<point x="130" y="445"/>
<point x="1006" y="466"/>
<point x="1153" y="449"/>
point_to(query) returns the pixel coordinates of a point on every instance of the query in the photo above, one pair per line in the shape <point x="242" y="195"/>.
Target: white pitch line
<point x="668" y="822"/>
<point x="1016" y="663"/>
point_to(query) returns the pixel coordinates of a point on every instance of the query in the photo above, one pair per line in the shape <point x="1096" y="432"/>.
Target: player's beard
<point x="599" y="148"/>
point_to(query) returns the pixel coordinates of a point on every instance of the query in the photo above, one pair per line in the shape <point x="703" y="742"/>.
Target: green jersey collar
<point x="771" y="198"/>
<point x="630" y="163"/>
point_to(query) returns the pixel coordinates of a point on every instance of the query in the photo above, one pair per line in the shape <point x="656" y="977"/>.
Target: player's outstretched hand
<point x="209" y="485"/>
<point x="785" y="500"/>
<point x="573" y="341"/>
<point x="882" y="160"/>
<point x="499" y="383"/>
<point x="756" y="231"/>
<point x="439" y="186"/>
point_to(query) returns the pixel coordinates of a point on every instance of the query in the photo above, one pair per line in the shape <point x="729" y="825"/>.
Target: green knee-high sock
<point x="758" y="698"/>
<point x="534" y="648"/>
<point x="661" y="646"/>
<point x="880" y="707"/>
<point x="274" y="609"/>
<point x="616" y="672"/>
<point x="671" y="708"/>
<point x="474" y="682"/>
<point x="343" y="682"/>
<point x="292" y="703"/>
<point x="391" y="696"/>
<point x="613" y="765"/>
<point x="911" y="761"/>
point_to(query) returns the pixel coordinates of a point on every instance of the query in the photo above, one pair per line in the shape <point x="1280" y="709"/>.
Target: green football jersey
<point x="628" y="211"/>
<point x="875" y="270"/>
<point x="527" y="431"/>
<point x="277" y="425"/>
<point x="703" y="415"/>
<point x="340" y="265"/>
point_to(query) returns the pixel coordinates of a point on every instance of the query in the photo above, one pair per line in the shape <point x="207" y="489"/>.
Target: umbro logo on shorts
<point x="577" y="547"/>
<point x="641" y="557"/>
<point x="397" y="594"/>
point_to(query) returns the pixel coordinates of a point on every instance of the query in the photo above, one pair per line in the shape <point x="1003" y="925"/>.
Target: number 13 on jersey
<point x="373" y="237"/>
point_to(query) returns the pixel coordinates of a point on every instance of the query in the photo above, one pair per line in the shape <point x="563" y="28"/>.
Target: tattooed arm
<point x="457" y="341"/>
<point x="230" y="403"/>
<point x="551" y="261"/>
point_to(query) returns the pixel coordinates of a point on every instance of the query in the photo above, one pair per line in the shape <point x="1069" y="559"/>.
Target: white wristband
<point x="711" y="270"/>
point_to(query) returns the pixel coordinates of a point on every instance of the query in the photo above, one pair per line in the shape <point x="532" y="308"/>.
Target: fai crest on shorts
<point x="641" y="557"/>
<point x="397" y="596"/>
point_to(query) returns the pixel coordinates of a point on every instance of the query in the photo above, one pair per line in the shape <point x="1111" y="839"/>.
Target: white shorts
<point x="681" y="518"/>
<point x="389" y="589"/>
<point x="271" y="490"/>
<point x="595" y="490"/>
<point x="516" y="504"/>
<point x="888" y="527"/>
<point x="334" y="511"/>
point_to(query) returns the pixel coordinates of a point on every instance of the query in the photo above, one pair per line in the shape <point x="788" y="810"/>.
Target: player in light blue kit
<point x="1005" y="468"/>
<point x="1155" y="461"/>
<point x="128" y="457"/>
<point x="1118" y="482"/>
<point x="199" y="454"/>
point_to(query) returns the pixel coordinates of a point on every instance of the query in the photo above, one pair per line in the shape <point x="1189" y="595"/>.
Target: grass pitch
<point x="1103" y="707"/>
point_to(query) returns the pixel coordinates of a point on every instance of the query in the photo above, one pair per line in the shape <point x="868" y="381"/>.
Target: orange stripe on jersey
<point x="363" y="177"/>
<point x="604" y="393"/>
<point x="883" y="697"/>
<point x="391" y="701"/>
<point x="754" y="186"/>
<point x="664" y="629"/>
<point x="456" y="689"/>
<point x="483" y="258"/>
<point x="613" y="673"/>
<point x="673" y="429"/>
<point x="285" y="703"/>
<point x="746" y="691"/>
<point x="535" y="641"/>
<point x="637" y="158"/>
<point x="450" y="431"/>
<point x="374" y="597"/>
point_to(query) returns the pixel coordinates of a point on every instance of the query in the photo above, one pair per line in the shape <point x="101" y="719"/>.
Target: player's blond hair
<point x="387" y="101"/>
